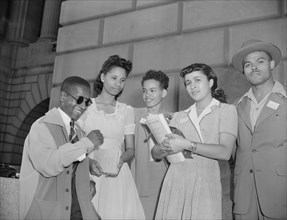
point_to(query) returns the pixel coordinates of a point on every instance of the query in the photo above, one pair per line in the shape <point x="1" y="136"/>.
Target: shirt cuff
<point x="89" y="145"/>
<point x="82" y="157"/>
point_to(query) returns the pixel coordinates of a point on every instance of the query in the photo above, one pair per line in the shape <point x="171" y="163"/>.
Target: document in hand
<point x="159" y="128"/>
<point x="108" y="159"/>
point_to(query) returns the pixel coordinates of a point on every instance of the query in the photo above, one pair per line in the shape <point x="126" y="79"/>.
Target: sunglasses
<point x="81" y="99"/>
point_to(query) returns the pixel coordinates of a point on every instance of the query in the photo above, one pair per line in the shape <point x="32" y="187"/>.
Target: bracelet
<point x="193" y="147"/>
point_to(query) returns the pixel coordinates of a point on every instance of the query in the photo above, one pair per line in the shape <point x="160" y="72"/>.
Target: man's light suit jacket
<point x="45" y="177"/>
<point x="262" y="153"/>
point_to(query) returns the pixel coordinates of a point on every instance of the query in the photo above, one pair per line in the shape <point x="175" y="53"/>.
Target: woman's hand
<point x="159" y="151"/>
<point x="119" y="168"/>
<point x="95" y="167"/>
<point x="121" y="162"/>
<point x="175" y="142"/>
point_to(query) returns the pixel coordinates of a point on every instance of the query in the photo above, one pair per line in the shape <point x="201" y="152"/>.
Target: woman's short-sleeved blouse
<point x="113" y="126"/>
<point x="222" y="119"/>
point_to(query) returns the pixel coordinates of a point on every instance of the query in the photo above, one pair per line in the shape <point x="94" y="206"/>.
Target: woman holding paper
<point x="192" y="189"/>
<point x="117" y="196"/>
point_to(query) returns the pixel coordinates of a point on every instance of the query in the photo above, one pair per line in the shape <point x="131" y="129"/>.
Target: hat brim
<point x="275" y="53"/>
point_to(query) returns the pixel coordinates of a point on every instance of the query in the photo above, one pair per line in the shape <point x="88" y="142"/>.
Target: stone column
<point x="15" y="30"/>
<point x="50" y="19"/>
<point x="3" y="18"/>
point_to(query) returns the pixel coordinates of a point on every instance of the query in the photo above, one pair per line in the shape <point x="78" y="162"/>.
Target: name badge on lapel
<point x="273" y="105"/>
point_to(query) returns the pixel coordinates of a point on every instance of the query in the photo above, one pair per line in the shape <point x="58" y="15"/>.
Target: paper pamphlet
<point x="108" y="159"/>
<point x="159" y="128"/>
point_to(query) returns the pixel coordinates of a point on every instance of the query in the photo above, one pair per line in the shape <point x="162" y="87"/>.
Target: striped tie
<point x="75" y="208"/>
<point x="73" y="138"/>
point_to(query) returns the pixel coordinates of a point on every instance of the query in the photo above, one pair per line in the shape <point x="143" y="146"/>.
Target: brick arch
<point x="36" y="94"/>
<point x="28" y="92"/>
<point x="37" y="112"/>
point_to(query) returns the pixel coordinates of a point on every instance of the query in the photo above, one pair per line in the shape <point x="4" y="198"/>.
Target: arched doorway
<point x="37" y="112"/>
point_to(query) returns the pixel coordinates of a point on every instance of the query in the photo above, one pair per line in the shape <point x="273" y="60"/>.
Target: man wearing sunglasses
<point x="54" y="176"/>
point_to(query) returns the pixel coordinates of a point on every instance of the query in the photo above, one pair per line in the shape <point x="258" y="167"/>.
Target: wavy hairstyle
<point x="111" y="62"/>
<point x="210" y="74"/>
<point x="159" y="76"/>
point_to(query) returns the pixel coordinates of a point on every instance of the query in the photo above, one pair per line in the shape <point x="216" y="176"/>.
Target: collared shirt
<point x="66" y="120"/>
<point x="256" y="107"/>
<point x="196" y="119"/>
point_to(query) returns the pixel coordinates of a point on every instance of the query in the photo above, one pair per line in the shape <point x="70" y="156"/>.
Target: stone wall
<point x="164" y="35"/>
<point x="167" y="36"/>
<point x="27" y="51"/>
<point x="9" y="199"/>
<point x="28" y="86"/>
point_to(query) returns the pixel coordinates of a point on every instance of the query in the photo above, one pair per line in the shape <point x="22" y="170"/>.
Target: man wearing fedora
<point x="260" y="169"/>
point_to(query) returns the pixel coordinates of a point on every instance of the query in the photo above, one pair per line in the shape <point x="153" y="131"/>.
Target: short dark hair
<point x="159" y="76"/>
<point x="72" y="81"/>
<point x="112" y="61"/>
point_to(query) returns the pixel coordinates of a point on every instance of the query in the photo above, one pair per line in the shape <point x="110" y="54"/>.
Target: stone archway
<point x="37" y="112"/>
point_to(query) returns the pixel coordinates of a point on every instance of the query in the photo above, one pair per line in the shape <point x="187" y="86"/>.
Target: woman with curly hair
<point x="192" y="188"/>
<point x="117" y="196"/>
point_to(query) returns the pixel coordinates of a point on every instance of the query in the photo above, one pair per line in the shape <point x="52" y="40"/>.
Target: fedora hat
<point x="252" y="46"/>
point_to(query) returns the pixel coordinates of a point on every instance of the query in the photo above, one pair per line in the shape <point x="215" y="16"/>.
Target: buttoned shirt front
<point x="196" y="119"/>
<point x="256" y="107"/>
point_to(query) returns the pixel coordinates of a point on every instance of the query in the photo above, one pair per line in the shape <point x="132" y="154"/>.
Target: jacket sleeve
<point x="51" y="154"/>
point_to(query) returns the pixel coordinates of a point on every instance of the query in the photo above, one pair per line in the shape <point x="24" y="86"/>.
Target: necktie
<point x="75" y="209"/>
<point x="73" y="138"/>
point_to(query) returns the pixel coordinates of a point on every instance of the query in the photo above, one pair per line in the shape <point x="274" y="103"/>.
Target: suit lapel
<point x="54" y="119"/>
<point x="267" y="111"/>
<point x="243" y="109"/>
